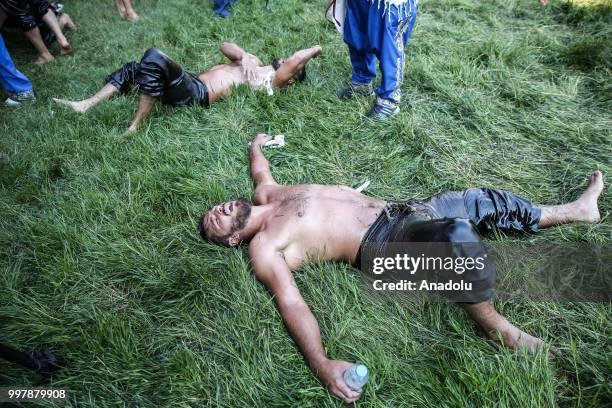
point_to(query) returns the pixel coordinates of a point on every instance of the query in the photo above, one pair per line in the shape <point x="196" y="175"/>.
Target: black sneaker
<point x="354" y="90"/>
<point x="20" y="98"/>
<point x="382" y="110"/>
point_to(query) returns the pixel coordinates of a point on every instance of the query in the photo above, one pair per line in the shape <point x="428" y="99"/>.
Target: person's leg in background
<point x="222" y="7"/>
<point x="65" y="22"/>
<point x="126" y="10"/>
<point x="362" y="58"/>
<point x="51" y="20"/>
<point x="16" y="83"/>
<point x="130" y="13"/>
<point x="44" y="55"/>
<point x="389" y="31"/>
<point x="20" y="16"/>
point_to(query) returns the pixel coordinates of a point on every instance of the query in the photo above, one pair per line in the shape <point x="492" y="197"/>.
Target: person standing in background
<point x="41" y="22"/>
<point x="13" y="81"/>
<point x="378" y="29"/>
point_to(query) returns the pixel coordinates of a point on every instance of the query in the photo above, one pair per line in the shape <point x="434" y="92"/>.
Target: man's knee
<point x="154" y="55"/>
<point x="461" y="230"/>
<point x="154" y="73"/>
<point x="453" y="230"/>
<point x="157" y="63"/>
<point x="442" y="230"/>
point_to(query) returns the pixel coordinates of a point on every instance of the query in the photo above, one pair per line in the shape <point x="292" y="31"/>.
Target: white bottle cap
<point x="361" y="370"/>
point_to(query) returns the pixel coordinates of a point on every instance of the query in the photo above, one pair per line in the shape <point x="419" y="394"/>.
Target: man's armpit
<point x="261" y="177"/>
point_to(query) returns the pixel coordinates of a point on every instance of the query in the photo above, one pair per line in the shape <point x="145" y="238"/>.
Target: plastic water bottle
<point x="356" y="376"/>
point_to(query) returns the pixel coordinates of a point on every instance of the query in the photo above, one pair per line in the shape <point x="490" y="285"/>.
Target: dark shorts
<point x="159" y="76"/>
<point x="27" y="15"/>
<point x="454" y="217"/>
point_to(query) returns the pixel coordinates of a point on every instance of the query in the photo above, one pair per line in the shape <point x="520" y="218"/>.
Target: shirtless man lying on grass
<point x="159" y="77"/>
<point x="287" y="226"/>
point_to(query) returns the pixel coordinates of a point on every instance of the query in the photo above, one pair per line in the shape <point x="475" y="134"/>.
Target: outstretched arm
<point x="292" y="65"/>
<point x="260" y="168"/>
<point x="272" y="270"/>
<point x="144" y="108"/>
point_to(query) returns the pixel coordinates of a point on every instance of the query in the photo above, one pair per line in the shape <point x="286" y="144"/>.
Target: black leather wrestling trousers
<point x="26" y="13"/>
<point x="159" y="76"/>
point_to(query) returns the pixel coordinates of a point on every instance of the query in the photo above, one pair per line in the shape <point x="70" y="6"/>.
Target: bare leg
<point x="129" y="11"/>
<point x="121" y="8"/>
<point x="51" y="20"/>
<point x="43" y="52"/>
<point x="107" y="92"/>
<point x="66" y="22"/>
<point x="583" y="209"/>
<point x="500" y="330"/>
<point x="144" y="107"/>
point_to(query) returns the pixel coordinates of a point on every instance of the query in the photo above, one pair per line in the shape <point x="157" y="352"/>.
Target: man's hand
<point x="128" y="132"/>
<point x="260" y="139"/>
<point x="331" y="373"/>
<point x="249" y="66"/>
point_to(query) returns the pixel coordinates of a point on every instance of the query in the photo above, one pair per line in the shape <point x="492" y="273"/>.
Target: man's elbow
<point x="260" y="176"/>
<point x="286" y="303"/>
<point x="225" y="46"/>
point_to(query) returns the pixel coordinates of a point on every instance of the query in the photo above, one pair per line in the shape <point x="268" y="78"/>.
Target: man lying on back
<point x="289" y="226"/>
<point x="160" y="78"/>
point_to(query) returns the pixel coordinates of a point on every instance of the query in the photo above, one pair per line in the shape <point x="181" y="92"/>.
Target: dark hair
<point x="299" y="76"/>
<point x="276" y="63"/>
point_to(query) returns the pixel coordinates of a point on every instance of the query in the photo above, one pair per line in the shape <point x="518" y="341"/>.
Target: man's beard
<point x="243" y="212"/>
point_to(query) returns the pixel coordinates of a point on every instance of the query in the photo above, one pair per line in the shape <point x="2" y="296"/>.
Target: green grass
<point x="100" y="259"/>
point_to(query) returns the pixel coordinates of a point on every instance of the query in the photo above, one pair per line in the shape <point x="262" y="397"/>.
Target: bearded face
<point x="222" y="223"/>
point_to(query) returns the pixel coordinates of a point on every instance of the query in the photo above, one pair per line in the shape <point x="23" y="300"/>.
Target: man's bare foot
<point x="586" y="204"/>
<point x="66" y="22"/>
<point x="132" y="16"/>
<point x="123" y="137"/>
<point x="79" y="106"/>
<point x="131" y="129"/>
<point x="514" y="338"/>
<point x="42" y="58"/>
<point x="543" y="2"/>
<point x="66" y="49"/>
<point x="121" y="8"/>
